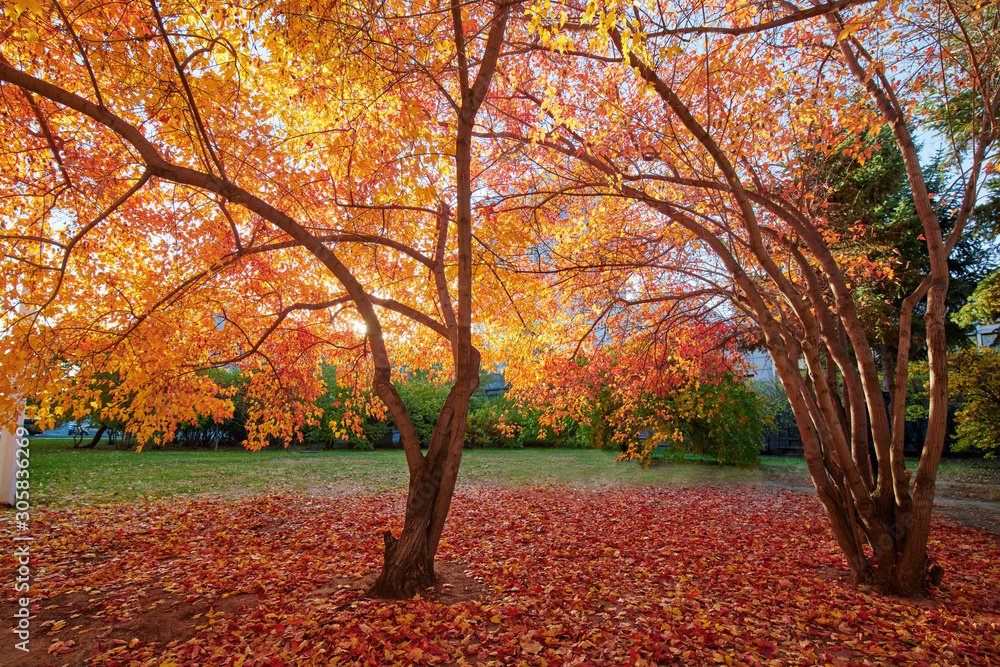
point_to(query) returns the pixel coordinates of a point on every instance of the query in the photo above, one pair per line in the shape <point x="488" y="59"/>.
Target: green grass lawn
<point x="61" y="475"/>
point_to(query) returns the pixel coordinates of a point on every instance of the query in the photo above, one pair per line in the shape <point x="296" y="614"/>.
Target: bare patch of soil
<point x="828" y="573"/>
<point x="987" y="491"/>
<point x="66" y="630"/>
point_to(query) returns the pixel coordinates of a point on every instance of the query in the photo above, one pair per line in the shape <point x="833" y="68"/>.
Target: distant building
<point x="761" y="365"/>
<point x="986" y="334"/>
<point x="494" y="384"/>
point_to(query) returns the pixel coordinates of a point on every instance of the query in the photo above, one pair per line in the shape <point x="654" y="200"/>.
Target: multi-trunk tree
<point x="270" y="188"/>
<point x="692" y="130"/>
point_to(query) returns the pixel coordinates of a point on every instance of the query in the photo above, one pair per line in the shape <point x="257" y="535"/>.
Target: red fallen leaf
<point x="721" y="549"/>
<point x="58" y="647"/>
<point x="766" y="648"/>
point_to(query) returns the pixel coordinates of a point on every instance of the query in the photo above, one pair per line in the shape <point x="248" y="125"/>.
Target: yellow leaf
<point x="531" y="646"/>
<point x="848" y="30"/>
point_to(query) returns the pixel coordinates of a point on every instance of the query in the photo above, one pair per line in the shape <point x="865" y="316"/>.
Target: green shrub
<point x="486" y="419"/>
<point x="723" y="419"/>
<point x="335" y="403"/>
<point x="733" y="431"/>
<point x="974" y="377"/>
<point x="424" y="399"/>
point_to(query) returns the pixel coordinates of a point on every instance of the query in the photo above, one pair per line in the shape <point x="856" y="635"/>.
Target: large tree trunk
<point x="881" y="528"/>
<point x="878" y="514"/>
<point x="409" y="559"/>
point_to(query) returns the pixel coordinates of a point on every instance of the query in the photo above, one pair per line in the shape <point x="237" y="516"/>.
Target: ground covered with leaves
<point x="557" y="576"/>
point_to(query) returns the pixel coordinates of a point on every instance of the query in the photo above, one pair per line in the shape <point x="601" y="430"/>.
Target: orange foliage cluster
<point x="630" y="380"/>
<point x="132" y="269"/>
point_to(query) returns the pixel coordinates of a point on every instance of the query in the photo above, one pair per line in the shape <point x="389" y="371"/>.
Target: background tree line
<point x="730" y="431"/>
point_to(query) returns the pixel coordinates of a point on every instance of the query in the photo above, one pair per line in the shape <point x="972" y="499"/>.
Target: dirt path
<point x="969" y="503"/>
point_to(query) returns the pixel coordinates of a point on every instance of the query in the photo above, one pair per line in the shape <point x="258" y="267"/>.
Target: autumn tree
<point x="976" y="383"/>
<point x="272" y="188"/>
<point x="683" y="128"/>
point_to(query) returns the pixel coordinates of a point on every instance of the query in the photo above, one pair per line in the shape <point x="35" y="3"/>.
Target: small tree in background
<point x="674" y="394"/>
<point x="975" y="381"/>
<point x="346" y="416"/>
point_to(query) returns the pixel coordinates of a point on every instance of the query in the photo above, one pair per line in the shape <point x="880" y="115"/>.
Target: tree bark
<point x="408" y="567"/>
<point x="409" y="559"/>
<point x="93" y="443"/>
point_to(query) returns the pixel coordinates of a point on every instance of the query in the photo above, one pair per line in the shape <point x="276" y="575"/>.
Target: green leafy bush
<point x="730" y="430"/>
<point x="424" y="398"/>
<point x="974" y="377"/>
<point x="335" y="403"/>
<point x="493" y="423"/>
<point x="723" y="419"/>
